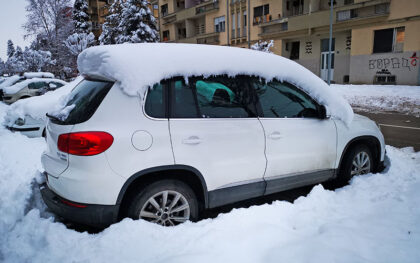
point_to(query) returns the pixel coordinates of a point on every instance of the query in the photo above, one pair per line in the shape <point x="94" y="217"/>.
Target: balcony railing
<point x="262" y="19"/>
<point x="212" y="5"/>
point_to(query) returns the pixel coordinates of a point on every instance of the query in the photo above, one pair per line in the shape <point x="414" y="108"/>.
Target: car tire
<point x="180" y="205"/>
<point x="358" y="160"/>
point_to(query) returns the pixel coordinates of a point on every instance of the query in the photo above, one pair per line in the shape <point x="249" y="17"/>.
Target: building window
<point x="389" y="40"/>
<point x="348" y="2"/>
<point x="294" y="52"/>
<point x="219" y="24"/>
<point x="165" y="35"/>
<point x="382" y="9"/>
<point x="261" y="14"/>
<point x="164" y="9"/>
<point x="346" y="15"/>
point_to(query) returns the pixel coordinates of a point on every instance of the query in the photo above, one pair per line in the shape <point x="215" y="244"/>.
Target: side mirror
<point x="323" y="112"/>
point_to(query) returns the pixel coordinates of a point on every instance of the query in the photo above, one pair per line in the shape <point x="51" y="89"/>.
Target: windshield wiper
<point x="53" y="117"/>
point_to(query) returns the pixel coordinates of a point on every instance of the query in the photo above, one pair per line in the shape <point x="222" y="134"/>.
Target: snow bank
<point x="38" y="106"/>
<point x="138" y="66"/>
<point x="18" y="86"/>
<point x="38" y="75"/>
<point x="374" y="219"/>
<point x="404" y="99"/>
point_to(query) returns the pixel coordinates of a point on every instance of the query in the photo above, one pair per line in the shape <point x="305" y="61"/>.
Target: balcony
<point x="211" y="38"/>
<point x="207" y="7"/>
<point x="261" y="19"/>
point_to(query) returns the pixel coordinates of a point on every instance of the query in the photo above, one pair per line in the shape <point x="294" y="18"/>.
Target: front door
<point x="300" y="147"/>
<point x="214" y="128"/>
<point x="324" y="65"/>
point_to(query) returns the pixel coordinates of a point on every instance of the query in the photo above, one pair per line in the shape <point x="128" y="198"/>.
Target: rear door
<point x="214" y="128"/>
<point x="300" y="147"/>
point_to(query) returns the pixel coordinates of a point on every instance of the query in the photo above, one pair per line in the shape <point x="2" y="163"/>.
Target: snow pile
<point x="30" y="75"/>
<point x="404" y="99"/>
<point x="374" y="219"/>
<point x="138" y="66"/>
<point x="37" y="107"/>
<point x="20" y="85"/>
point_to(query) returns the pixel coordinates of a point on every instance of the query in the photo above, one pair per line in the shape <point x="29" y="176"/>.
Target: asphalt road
<point x="399" y="130"/>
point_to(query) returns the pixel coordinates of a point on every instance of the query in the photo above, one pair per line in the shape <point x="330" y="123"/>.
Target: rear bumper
<point x="99" y="216"/>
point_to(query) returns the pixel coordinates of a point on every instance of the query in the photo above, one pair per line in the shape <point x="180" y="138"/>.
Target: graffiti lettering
<point x="393" y="63"/>
<point x="308" y="47"/>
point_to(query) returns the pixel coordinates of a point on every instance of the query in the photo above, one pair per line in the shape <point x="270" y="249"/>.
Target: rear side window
<point x="214" y="97"/>
<point x="155" y="105"/>
<point x="86" y="98"/>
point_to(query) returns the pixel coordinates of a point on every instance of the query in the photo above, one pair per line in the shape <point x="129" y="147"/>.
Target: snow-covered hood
<point x="138" y="66"/>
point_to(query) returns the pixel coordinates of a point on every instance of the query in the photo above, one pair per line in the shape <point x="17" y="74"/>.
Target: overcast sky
<point x="12" y="17"/>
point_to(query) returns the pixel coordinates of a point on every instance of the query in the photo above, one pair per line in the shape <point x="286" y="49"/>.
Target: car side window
<point x="155" y="105"/>
<point x="36" y="85"/>
<point x="284" y="100"/>
<point x="183" y="101"/>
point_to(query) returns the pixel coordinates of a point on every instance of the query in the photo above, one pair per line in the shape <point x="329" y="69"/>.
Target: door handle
<point x="275" y="135"/>
<point x="193" y="140"/>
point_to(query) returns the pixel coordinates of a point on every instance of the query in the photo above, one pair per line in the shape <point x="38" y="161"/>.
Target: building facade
<point x="374" y="41"/>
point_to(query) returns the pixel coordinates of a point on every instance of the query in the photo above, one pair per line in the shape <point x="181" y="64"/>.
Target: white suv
<point x="191" y="143"/>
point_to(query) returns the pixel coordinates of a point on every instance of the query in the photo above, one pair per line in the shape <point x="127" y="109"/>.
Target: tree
<point x="80" y="16"/>
<point x="16" y="63"/>
<point x="10" y="48"/>
<point x="37" y="60"/>
<point x="137" y="24"/>
<point x="2" y="67"/>
<point x="110" y="29"/>
<point x="78" y="42"/>
<point x="264" y="46"/>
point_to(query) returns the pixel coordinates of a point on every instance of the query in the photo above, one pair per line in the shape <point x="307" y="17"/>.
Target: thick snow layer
<point x="10" y="81"/>
<point x="20" y="85"/>
<point x="30" y="75"/>
<point x="404" y="99"/>
<point x="374" y="219"/>
<point x="38" y="106"/>
<point x="138" y="66"/>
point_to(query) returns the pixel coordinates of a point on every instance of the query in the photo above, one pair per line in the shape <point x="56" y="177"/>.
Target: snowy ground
<point x="403" y="99"/>
<point x="374" y="219"/>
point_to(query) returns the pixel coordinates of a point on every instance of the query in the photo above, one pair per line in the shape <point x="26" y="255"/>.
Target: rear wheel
<point x="357" y="161"/>
<point x="166" y="202"/>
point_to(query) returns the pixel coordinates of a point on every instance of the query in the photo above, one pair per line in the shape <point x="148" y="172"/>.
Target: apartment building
<point x="98" y="10"/>
<point x="374" y="41"/>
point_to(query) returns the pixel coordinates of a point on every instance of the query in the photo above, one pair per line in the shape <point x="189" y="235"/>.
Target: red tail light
<point x="84" y="143"/>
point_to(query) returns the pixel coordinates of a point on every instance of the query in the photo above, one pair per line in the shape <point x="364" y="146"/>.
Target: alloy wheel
<point x="360" y="164"/>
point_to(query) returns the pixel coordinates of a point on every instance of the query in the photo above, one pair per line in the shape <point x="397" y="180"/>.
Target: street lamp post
<point x="330" y="44"/>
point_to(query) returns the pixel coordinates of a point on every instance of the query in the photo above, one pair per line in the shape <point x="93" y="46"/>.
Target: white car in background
<point x="28" y="116"/>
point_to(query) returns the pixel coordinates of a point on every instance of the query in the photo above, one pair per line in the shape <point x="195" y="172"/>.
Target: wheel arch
<point x="187" y="174"/>
<point x="370" y="141"/>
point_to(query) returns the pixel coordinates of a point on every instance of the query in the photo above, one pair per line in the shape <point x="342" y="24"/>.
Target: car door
<point x="300" y="146"/>
<point x="214" y="128"/>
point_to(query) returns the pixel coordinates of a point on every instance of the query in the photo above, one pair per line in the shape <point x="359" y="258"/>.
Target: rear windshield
<point x="85" y="98"/>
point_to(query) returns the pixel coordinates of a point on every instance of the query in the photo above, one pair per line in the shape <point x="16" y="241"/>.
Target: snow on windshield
<point x="138" y="66"/>
<point x="20" y="85"/>
<point x="37" y="107"/>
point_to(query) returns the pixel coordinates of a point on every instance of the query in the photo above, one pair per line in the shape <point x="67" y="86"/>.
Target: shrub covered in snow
<point x="264" y="46"/>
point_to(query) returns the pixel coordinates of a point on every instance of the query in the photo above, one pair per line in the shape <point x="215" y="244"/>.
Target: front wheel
<point x="357" y="161"/>
<point x="166" y="202"/>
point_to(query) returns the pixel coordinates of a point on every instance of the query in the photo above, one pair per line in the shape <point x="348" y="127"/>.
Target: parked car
<point x="28" y="116"/>
<point x="195" y="127"/>
<point x="30" y="88"/>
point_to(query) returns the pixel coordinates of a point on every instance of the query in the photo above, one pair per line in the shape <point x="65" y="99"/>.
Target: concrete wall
<point x="363" y="68"/>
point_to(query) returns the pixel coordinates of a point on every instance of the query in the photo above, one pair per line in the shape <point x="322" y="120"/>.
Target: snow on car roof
<point x="20" y="85"/>
<point x="30" y="75"/>
<point x="138" y="66"/>
<point x="38" y="106"/>
<point x="10" y="81"/>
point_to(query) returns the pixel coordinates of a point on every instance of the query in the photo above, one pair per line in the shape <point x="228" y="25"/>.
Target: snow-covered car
<point x="161" y="132"/>
<point x="12" y="80"/>
<point x="28" y="116"/>
<point x="30" y="88"/>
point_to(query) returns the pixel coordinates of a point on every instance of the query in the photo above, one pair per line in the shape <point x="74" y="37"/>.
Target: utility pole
<point x="330" y="44"/>
<point x="227" y="22"/>
<point x="249" y="24"/>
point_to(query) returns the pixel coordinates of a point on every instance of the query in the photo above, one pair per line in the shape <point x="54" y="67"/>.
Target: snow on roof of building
<point x="138" y="66"/>
<point x="20" y="85"/>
